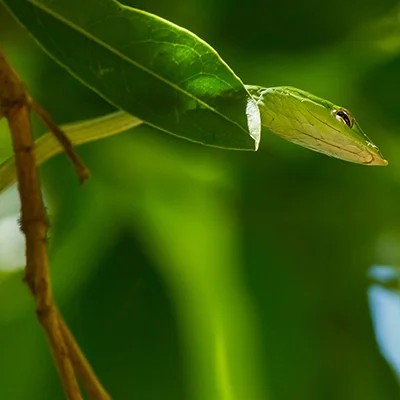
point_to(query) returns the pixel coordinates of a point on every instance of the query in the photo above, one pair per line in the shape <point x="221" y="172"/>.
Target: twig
<point x="15" y="105"/>
<point x="34" y="225"/>
<point x="80" y="167"/>
<point x="85" y="373"/>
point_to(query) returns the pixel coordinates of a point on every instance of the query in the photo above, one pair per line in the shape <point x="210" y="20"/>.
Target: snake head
<point x="316" y="124"/>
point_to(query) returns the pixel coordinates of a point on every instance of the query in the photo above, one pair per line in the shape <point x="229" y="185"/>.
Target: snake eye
<point x="344" y="116"/>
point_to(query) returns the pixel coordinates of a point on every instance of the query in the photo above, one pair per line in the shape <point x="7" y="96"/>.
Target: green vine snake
<point x="291" y="113"/>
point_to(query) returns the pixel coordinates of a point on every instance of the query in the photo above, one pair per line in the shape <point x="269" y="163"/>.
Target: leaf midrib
<point x="129" y="60"/>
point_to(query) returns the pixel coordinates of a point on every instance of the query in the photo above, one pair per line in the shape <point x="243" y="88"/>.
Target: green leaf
<point x="147" y="66"/>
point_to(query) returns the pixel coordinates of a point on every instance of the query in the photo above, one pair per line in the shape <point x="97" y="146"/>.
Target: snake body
<point x="290" y="113"/>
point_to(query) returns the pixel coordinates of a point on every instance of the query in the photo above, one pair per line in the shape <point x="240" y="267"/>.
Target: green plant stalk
<point x="48" y="146"/>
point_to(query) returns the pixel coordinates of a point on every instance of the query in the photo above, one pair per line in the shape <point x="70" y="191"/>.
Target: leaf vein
<point x="126" y="58"/>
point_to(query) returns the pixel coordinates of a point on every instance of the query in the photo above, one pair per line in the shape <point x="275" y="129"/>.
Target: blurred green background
<point x="191" y="273"/>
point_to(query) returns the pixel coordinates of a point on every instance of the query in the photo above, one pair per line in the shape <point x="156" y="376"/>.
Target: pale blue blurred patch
<point x="384" y="273"/>
<point x="385" y="312"/>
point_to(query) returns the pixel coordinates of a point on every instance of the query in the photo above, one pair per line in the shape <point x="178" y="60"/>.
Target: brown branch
<point x="34" y="225"/>
<point x="15" y="104"/>
<point x="80" y="167"/>
<point x="89" y="380"/>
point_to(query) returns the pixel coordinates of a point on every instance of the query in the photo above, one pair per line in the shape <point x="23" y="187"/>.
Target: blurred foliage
<point x="193" y="273"/>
